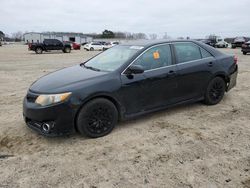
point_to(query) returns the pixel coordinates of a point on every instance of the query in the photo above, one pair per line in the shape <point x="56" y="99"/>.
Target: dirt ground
<point x="186" y="146"/>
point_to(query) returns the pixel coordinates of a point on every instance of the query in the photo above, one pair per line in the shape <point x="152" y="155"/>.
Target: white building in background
<point x="34" y="37"/>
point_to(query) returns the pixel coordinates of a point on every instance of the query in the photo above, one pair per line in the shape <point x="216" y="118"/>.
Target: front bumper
<point x="59" y="117"/>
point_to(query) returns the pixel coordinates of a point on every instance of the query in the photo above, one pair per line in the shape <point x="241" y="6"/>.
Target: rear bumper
<point x="59" y="117"/>
<point x="232" y="79"/>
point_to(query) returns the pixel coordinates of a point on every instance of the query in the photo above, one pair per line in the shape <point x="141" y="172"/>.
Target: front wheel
<point x="97" y="118"/>
<point x="215" y="91"/>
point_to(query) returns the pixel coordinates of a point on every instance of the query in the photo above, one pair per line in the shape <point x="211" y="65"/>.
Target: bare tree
<point x="139" y="36"/>
<point x="17" y="36"/>
<point x="153" y="36"/>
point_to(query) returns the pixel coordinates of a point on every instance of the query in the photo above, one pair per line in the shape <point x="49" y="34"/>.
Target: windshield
<point x="112" y="59"/>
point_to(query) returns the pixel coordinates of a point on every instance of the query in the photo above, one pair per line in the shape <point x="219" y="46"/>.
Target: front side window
<point x="156" y="57"/>
<point x="187" y="52"/>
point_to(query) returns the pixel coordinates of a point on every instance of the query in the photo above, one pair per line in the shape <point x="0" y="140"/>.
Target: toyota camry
<point x="126" y="81"/>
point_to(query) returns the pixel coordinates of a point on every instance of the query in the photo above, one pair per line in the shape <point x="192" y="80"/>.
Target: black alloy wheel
<point x="97" y="118"/>
<point x="215" y="91"/>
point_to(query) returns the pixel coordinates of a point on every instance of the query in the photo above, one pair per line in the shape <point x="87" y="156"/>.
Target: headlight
<point x="45" y="100"/>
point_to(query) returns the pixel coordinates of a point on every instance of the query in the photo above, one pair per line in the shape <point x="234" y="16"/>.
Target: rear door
<point x="194" y="69"/>
<point x="48" y="44"/>
<point x="58" y="45"/>
<point x="97" y="46"/>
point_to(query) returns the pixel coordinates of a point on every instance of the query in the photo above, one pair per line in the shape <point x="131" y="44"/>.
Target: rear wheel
<point x="39" y="50"/>
<point x="67" y="50"/>
<point x="97" y="118"/>
<point x="244" y="53"/>
<point x="215" y="91"/>
<point x="91" y="49"/>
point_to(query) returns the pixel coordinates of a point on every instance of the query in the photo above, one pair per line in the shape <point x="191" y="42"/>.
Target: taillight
<point x="235" y="60"/>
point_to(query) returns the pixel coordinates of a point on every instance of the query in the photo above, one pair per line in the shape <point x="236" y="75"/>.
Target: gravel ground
<point x="186" y="146"/>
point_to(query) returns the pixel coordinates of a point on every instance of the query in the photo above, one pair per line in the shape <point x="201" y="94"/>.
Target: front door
<point x="155" y="87"/>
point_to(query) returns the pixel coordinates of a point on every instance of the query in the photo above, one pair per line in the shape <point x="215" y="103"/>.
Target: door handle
<point x="210" y="64"/>
<point x="171" y="73"/>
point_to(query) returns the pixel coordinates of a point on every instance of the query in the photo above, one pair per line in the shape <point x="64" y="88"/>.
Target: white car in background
<point x="95" y="46"/>
<point x="111" y="44"/>
<point x="221" y="44"/>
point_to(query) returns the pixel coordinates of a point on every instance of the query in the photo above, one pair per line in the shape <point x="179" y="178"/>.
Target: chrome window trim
<point x="145" y="52"/>
<point x="198" y="47"/>
<point x="171" y="54"/>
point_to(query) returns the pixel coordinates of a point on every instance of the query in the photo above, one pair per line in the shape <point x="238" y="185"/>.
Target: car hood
<point x="61" y="80"/>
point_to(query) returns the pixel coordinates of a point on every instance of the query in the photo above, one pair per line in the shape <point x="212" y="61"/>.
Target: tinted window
<point x="155" y="57"/>
<point x="96" y="43"/>
<point x="113" y="58"/>
<point x="187" y="52"/>
<point x="48" y="41"/>
<point x="205" y="53"/>
<point x="57" y="42"/>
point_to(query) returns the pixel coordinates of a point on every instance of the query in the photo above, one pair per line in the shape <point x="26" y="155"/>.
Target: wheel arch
<point x="98" y="96"/>
<point x="40" y="46"/>
<point x="222" y="75"/>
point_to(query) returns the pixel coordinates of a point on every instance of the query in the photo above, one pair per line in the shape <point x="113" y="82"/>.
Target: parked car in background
<point x="74" y="45"/>
<point x="238" y="42"/>
<point x="221" y="44"/>
<point x="207" y="41"/>
<point x="49" y="45"/>
<point x="95" y="46"/>
<point x="245" y="48"/>
<point x="84" y="43"/>
<point x="126" y="81"/>
<point x="110" y="44"/>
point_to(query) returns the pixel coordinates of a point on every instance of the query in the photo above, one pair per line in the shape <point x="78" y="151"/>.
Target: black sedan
<point x="126" y="81"/>
<point x="245" y="48"/>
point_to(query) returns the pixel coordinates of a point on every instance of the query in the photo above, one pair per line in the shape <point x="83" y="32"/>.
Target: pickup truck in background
<point x="238" y="42"/>
<point x="49" y="45"/>
<point x="245" y="48"/>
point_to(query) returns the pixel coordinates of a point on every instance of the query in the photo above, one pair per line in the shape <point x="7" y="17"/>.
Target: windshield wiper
<point x="92" y="68"/>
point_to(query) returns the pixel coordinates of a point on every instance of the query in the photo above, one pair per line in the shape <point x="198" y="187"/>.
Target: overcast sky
<point x="194" y="18"/>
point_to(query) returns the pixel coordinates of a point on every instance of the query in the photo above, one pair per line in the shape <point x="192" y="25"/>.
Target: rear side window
<point x="96" y="43"/>
<point x="187" y="52"/>
<point x="57" y="42"/>
<point x="205" y="53"/>
<point x="156" y="57"/>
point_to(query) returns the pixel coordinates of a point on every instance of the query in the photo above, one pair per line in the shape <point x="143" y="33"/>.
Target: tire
<point x="97" y="118"/>
<point x="215" y="91"/>
<point x="244" y="53"/>
<point x="91" y="49"/>
<point x="67" y="50"/>
<point x="39" y="50"/>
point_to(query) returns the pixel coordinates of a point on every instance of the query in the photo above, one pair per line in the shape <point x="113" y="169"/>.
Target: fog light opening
<point x="46" y="127"/>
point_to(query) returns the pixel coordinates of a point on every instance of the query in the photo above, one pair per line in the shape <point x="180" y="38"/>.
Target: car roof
<point x="149" y="43"/>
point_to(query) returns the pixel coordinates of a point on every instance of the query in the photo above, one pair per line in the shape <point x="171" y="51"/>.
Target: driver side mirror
<point x="134" y="69"/>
